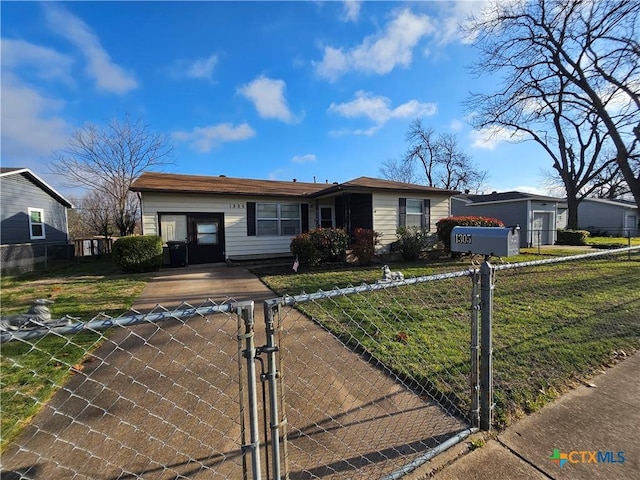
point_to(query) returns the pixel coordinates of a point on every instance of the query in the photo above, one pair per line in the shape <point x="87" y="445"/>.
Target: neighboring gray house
<point x="223" y="218"/>
<point x="613" y="217"/>
<point x="538" y="216"/>
<point x="33" y="221"/>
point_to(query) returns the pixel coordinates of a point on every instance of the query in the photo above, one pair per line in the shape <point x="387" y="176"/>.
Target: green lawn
<point x="553" y="325"/>
<point x="612" y="242"/>
<point x="32" y="372"/>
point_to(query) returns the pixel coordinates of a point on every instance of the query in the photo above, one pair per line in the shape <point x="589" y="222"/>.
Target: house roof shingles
<point x="175" y="183"/>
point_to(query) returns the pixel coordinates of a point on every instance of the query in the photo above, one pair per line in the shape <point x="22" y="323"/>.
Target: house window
<point x="326" y="217"/>
<point x="36" y="223"/>
<point x="414" y="212"/>
<point x="278" y="219"/>
<point x="207" y="233"/>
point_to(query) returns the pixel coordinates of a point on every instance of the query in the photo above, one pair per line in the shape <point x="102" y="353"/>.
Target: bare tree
<point x="399" y="170"/>
<point x="611" y="183"/>
<point x="457" y="171"/>
<point x="435" y="160"/>
<point x="107" y="159"/>
<point x="563" y="61"/>
<point x="93" y="215"/>
<point x="574" y="138"/>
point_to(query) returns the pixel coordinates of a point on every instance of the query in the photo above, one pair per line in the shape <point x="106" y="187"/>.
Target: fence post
<point x="486" y="351"/>
<point x="245" y="311"/>
<point x="272" y="374"/>
<point x="475" y="351"/>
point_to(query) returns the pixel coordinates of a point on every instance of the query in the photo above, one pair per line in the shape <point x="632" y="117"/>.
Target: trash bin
<point x="177" y="253"/>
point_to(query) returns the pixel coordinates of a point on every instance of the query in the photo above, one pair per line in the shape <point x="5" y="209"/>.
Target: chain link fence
<point x="368" y="381"/>
<point x="159" y="397"/>
<point x="556" y="322"/>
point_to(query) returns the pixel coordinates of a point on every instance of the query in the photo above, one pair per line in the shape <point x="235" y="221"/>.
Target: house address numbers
<point x="237" y="205"/>
<point x="463" y="238"/>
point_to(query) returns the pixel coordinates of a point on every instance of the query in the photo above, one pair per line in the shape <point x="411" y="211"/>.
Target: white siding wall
<point x="235" y="219"/>
<point x="385" y="214"/>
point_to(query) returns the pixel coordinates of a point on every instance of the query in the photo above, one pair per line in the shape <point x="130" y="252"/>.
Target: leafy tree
<point x="434" y="159"/>
<point x="570" y="74"/>
<point x="106" y="160"/>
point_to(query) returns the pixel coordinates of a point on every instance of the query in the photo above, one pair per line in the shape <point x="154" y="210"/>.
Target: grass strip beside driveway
<point x="33" y="371"/>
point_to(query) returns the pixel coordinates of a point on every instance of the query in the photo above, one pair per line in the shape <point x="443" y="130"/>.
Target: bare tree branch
<point x="571" y="82"/>
<point x="435" y="160"/>
<point x="107" y="159"/>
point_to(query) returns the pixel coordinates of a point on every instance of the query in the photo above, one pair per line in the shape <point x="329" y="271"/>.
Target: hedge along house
<point x="226" y="219"/>
<point x="33" y="221"/>
<point x="538" y="216"/>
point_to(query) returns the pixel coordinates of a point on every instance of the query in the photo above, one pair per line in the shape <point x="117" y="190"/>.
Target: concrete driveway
<point x="162" y="401"/>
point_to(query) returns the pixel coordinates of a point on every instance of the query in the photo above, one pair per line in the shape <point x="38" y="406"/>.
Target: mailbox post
<point x="487" y="241"/>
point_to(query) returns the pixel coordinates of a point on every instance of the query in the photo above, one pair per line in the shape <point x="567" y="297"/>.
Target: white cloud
<point x="205" y="139"/>
<point x="109" y="76"/>
<point x="453" y="15"/>
<point x="379" y="53"/>
<point x="307" y="158"/>
<point x="268" y="97"/>
<point x="489" y="138"/>
<point x="47" y="63"/>
<point x="351" y="10"/>
<point x="31" y="127"/>
<point x="529" y="189"/>
<point x="201" y="68"/>
<point x="378" y="110"/>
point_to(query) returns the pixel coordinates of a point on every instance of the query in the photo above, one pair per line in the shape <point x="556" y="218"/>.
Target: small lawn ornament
<point x="389" y="276"/>
<point x="37" y="316"/>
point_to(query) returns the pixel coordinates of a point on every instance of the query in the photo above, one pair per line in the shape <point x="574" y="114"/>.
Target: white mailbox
<point x="493" y="241"/>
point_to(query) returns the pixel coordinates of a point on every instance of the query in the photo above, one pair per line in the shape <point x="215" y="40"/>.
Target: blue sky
<point x="275" y="90"/>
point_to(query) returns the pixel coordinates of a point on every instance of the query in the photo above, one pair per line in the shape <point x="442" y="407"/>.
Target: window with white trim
<point x="36" y="223"/>
<point x="415" y="213"/>
<point x="278" y="219"/>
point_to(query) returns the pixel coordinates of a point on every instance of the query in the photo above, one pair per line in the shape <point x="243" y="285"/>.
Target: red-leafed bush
<point x="320" y="245"/>
<point x="364" y="244"/>
<point x="445" y="225"/>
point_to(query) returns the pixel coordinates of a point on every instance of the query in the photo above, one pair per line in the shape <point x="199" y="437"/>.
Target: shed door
<point x="205" y="238"/>
<point x="541" y="233"/>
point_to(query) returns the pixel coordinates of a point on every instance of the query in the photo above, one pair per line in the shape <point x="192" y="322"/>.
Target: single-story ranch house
<point x="225" y="219"/>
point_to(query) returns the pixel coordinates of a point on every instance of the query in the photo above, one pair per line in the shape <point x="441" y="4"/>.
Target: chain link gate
<point x="163" y="394"/>
<point x="343" y="408"/>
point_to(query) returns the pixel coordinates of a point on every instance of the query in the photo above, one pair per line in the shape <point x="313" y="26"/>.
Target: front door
<point x="205" y="238"/>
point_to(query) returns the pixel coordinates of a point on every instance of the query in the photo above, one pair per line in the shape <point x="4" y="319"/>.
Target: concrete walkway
<point x="603" y="417"/>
